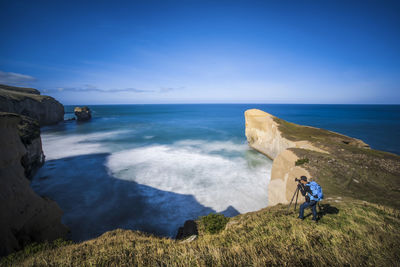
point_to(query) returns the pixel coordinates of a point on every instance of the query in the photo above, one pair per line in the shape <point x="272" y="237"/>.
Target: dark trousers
<point x="313" y="205"/>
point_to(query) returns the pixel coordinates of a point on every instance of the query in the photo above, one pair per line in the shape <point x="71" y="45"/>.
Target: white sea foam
<point x="61" y="146"/>
<point x="214" y="146"/>
<point x="197" y="168"/>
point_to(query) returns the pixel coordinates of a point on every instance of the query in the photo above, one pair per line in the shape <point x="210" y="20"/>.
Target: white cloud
<point x="12" y="78"/>
<point x="92" y="88"/>
<point x="170" y="89"/>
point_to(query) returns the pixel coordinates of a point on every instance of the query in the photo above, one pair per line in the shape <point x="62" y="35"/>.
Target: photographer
<point x="310" y="202"/>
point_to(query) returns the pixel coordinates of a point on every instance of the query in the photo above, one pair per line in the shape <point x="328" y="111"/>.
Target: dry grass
<point x="360" y="233"/>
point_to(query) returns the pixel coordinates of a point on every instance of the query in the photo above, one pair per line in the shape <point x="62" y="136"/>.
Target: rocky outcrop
<point x="29" y="102"/>
<point x="263" y="134"/>
<point x="25" y="217"/>
<point x="189" y="229"/>
<point x="83" y="113"/>
<point x="332" y="159"/>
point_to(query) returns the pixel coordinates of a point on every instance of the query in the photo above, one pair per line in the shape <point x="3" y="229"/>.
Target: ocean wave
<point x="199" y="168"/>
<point x="57" y="146"/>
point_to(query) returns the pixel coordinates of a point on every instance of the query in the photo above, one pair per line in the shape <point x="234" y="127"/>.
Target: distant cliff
<point x="25" y="217"/>
<point x="343" y="165"/>
<point x="28" y="101"/>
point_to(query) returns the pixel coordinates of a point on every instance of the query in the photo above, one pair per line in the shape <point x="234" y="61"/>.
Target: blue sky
<point x="127" y="52"/>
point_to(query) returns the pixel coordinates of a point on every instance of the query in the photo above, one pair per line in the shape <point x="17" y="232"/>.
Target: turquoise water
<point x="151" y="167"/>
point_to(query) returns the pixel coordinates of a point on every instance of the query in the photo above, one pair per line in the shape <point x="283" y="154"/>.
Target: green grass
<point x="321" y="138"/>
<point x="351" y="233"/>
<point x="213" y="223"/>
<point x="349" y="168"/>
<point x="20" y="96"/>
<point x="20" y="89"/>
<point x="301" y="161"/>
<point x="357" y="173"/>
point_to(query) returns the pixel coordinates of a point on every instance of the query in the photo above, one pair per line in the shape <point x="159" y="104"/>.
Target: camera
<point x="297" y="179"/>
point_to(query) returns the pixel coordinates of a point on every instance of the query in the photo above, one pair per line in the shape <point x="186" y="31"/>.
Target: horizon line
<point x="205" y="103"/>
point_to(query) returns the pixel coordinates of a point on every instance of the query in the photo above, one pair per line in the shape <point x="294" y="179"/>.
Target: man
<point x="306" y="191"/>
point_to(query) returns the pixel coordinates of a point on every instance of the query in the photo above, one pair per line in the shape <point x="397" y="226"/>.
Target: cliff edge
<point x="25" y="217"/>
<point x="344" y="166"/>
<point x="29" y="102"/>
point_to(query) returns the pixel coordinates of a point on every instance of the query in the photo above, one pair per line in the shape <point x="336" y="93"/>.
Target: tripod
<point x="296" y="193"/>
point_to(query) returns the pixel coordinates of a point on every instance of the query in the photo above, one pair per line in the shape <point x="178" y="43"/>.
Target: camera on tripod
<point x="302" y="178"/>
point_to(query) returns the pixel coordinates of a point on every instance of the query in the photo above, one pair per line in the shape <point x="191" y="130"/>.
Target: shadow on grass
<point x="324" y="209"/>
<point x="327" y="209"/>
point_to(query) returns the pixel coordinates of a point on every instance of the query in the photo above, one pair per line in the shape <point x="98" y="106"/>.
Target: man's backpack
<point x="316" y="190"/>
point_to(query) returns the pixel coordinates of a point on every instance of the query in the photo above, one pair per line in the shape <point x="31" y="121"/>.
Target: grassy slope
<point x="349" y="169"/>
<point x="20" y="89"/>
<point x="351" y="232"/>
<point x="20" y="95"/>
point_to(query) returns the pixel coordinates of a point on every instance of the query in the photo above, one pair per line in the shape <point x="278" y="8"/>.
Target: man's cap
<point x="303" y="178"/>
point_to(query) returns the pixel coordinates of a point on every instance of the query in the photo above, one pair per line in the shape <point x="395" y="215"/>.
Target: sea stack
<point x="341" y="164"/>
<point x="83" y="113"/>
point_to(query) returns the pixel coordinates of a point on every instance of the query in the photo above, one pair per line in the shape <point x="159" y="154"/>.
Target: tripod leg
<point x="292" y="198"/>
<point x="297" y="196"/>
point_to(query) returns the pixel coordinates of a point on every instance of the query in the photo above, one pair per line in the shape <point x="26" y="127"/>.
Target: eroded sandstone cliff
<point x="263" y="134"/>
<point x="341" y="164"/>
<point x="28" y="101"/>
<point x="25" y="217"/>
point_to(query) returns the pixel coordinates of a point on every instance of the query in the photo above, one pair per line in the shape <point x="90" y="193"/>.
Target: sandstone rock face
<point x="29" y="102"/>
<point x="282" y="185"/>
<point x="263" y="135"/>
<point x="83" y="113"/>
<point x="262" y="132"/>
<point x="25" y="216"/>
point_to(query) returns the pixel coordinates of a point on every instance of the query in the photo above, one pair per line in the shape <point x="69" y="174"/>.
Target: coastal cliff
<point x="28" y="101"/>
<point x="25" y="217"/>
<point x="353" y="176"/>
<point x="343" y="165"/>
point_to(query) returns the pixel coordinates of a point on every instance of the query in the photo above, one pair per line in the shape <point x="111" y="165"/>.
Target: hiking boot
<point x="315" y="220"/>
<point x="301" y="218"/>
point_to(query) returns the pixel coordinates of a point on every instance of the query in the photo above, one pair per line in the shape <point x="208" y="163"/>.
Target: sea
<point x="152" y="167"/>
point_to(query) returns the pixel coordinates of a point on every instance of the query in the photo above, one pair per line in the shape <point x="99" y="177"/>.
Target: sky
<point x="142" y="52"/>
